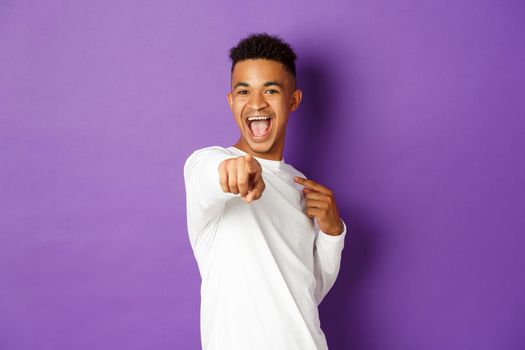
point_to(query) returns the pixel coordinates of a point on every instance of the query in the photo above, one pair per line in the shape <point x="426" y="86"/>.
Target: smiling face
<point x="261" y="98"/>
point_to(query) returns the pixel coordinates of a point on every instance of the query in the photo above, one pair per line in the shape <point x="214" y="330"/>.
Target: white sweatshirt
<point x="265" y="266"/>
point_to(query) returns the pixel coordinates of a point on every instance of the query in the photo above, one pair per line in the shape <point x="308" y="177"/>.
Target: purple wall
<point x="413" y="113"/>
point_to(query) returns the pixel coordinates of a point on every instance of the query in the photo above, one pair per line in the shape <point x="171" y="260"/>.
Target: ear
<point x="296" y="100"/>
<point x="230" y="100"/>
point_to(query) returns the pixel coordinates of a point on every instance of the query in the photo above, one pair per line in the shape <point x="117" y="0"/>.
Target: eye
<point x="271" y="91"/>
<point x="242" y="92"/>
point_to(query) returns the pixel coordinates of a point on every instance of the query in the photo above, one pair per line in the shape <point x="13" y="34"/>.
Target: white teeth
<point x="258" y="118"/>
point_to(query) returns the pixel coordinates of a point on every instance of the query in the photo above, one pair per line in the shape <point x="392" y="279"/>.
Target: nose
<point x="257" y="101"/>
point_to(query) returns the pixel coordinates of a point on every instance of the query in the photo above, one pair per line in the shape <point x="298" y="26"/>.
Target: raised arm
<point x="201" y="178"/>
<point x="212" y="177"/>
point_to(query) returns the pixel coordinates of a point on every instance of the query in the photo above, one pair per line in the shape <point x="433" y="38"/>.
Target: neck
<point x="274" y="153"/>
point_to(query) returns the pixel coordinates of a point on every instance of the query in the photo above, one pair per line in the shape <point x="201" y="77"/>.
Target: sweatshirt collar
<point x="267" y="162"/>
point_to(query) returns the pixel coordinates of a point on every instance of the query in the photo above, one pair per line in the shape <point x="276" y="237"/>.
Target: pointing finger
<point x="312" y="184"/>
<point x="251" y="164"/>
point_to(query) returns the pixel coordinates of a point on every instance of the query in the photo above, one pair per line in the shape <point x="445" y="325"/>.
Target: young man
<point x="267" y="241"/>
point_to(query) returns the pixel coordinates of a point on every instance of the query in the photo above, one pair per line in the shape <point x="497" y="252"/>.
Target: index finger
<point x="312" y="184"/>
<point x="251" y="163"/>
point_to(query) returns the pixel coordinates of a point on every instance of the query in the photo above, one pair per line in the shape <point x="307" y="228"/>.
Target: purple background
<point x="413" y="113"/>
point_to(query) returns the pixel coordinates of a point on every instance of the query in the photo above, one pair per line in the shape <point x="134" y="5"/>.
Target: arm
<point x="204" y="195"/>
<point x="212" y="177"/>
<point x="330" y="234"/>
<point x="327" y="261"/>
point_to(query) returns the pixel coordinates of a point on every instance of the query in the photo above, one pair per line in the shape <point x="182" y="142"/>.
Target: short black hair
<point x="264" y="46"/>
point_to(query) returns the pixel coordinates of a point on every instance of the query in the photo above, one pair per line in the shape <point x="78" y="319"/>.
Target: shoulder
<point x="210" y="152"/>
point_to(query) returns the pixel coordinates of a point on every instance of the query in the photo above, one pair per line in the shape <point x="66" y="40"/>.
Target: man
<point x="267" y="240"/>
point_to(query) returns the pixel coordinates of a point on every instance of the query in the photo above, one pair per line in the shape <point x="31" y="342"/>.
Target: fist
<point x="242" y="175"/>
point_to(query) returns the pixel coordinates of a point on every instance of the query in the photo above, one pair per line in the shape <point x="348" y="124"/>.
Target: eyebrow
<point x="268" y="83"/>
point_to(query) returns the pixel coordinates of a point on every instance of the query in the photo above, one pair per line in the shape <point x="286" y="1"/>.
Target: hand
<point x="242" y="175"/>
<point x="320" y="203"/>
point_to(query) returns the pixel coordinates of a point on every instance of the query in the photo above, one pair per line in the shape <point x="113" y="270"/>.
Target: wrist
<point x="336" y="231"/>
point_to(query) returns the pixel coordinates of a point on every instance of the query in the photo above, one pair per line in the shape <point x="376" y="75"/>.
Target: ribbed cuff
<point x="325" y="236"/>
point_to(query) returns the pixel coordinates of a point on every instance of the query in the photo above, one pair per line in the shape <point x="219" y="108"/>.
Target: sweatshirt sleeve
<point x="204" y="195"/>
<point x="327" y="260"/>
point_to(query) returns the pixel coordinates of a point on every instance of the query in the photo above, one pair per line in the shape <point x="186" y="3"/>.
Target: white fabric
<point x="265" y="266"/>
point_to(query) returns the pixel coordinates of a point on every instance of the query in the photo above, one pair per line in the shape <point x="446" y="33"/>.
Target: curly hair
<point x="264" y="46"/>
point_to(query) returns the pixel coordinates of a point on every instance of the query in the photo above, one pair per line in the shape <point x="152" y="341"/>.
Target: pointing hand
<point x="320" y="203"/>
<point x="242" y="175"/>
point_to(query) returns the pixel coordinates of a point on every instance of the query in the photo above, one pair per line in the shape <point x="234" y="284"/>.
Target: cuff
<point x="325" y="236"/>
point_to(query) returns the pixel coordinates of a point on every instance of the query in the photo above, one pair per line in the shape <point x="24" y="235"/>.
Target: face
<point x="261" y="98"/>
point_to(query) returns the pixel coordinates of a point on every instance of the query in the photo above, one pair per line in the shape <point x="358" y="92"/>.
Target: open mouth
<point x="259" y="126"/>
